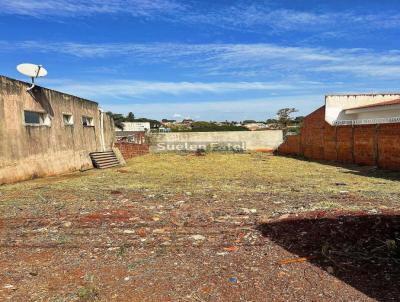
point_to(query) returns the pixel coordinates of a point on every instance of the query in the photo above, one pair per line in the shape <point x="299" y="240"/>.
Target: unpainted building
<point x="45" y="132"/>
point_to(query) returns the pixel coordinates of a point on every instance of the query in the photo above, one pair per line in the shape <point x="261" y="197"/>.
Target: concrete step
<point x="103" y="160"/>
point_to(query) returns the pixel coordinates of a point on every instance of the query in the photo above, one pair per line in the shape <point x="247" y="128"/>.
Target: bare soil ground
<point x="220" y="227"/>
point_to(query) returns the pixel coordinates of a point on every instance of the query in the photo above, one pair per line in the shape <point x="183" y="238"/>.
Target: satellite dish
<point x="33" y="71"/>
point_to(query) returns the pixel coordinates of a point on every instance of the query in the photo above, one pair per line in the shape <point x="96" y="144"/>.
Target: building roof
<point x="386" y="103"/>
<point x="40" y="87"/>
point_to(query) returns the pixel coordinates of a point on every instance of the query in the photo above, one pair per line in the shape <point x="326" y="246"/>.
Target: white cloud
<point x="255" y="16"/>
<point x="239" y="60"/>
<point x="239" y="15"/>
<point x="76" y="8"/>
<point x="128" y="89"/>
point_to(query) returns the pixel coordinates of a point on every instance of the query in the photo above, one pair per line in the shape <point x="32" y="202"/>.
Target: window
<point x="87" y="121"/>
<point x="68" y="119"/>
<point x="32" y="118"/>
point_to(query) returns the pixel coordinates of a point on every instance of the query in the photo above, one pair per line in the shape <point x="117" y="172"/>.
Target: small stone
<point x="330" y="269"/>
<point x="127" y="278"/>
<point x="198" y="237"/>
<point x="129" y="231"/>
<point x="158" y="231"/>
<point x="142" y="232"/>
<point x="189" y="193"/>
<point x="67" y="224"/>
<point x="249" y="211"/>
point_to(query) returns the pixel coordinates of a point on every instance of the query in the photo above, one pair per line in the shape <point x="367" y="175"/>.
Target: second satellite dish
<point x="33" y="71"/>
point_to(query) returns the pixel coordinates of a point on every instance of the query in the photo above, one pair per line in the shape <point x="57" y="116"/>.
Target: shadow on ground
<point x="361" y="249"/>
<point x="370" y="171"/>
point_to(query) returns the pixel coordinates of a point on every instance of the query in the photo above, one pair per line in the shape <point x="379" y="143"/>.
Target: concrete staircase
<point x="103" y="160"/>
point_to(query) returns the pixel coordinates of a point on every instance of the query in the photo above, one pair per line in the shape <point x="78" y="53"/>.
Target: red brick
<point x="291" y="145"/>
<point x="129" y="150"/>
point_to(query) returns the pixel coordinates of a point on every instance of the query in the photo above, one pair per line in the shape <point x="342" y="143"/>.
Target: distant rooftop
<point x="360" y="94"/>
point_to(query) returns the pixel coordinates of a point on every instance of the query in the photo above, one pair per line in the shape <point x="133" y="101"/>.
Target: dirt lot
<point x="220" y="227"/>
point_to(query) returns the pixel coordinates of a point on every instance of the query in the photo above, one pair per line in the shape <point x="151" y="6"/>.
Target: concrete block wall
<point x="374" y="145"/>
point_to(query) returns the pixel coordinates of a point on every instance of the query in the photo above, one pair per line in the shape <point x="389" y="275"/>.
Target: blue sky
<point x="208" y="60"/>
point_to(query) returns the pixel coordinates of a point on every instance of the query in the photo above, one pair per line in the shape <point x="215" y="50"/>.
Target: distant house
<point x="164" y="129"/>
<point x="136" y="137"/>
<point x="133" y="132"/>
<point x="362" y="109"/>
<point x="135" y="126"/>
<point x="255" y="126"/>
<point x="187" y="122"/>
<point x="46" y="132"/>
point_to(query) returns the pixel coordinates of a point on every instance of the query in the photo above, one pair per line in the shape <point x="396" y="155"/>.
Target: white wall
<point x="135" y="126"/>
<point x="336" y="104"/>
<point x="252" y="140"/>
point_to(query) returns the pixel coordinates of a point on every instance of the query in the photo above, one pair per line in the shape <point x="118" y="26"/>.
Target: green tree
<point x="118" y="119"/>
<point x="130" y="117"/>
<point x="271" y="121"/>
<point x="298" y="119"/>
<point x="249" y="122"/>
<point x="212" y="126"/>
<point x="284" y="117"/>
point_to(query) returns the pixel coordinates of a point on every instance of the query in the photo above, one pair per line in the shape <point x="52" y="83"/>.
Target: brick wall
<point x="312" y="140"/>
<point x="130" y="150"/>
<point x="291" y="145"/>
<point x="330" y="143"/>
<point x="363" y="144"/>
<point x="344" y="144"/>
<point x="135" y="137"/>
<point x="389" y="146"/>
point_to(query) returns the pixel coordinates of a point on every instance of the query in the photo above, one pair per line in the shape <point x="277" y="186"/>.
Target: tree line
<point x="284" y="120"/>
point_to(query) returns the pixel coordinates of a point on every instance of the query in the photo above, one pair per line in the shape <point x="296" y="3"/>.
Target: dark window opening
<point x="32" y="117"/>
